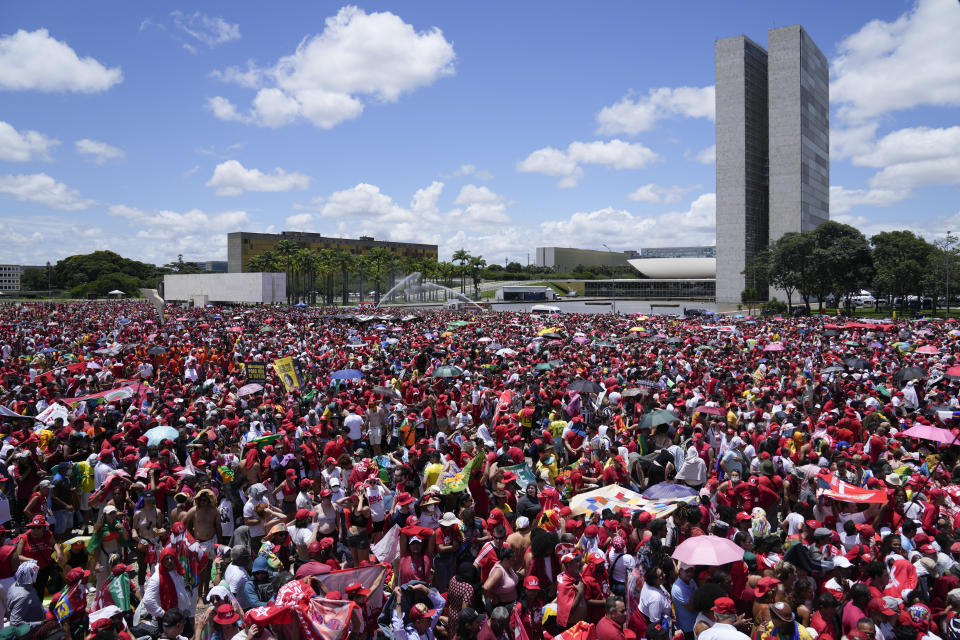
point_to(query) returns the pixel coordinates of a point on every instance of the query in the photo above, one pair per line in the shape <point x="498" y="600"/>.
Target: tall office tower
<point x="799" y="132"/>
<point x="741" y="120"/>
<point x="773" y="150"/>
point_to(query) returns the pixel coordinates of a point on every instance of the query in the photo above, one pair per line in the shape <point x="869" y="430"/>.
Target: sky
<point x="154" y="129"/>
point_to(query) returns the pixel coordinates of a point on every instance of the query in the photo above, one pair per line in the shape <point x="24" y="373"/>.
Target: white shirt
<point x="354" y="423"/>
<point x="256" y="530"/>
<point x="378" y="510"/>
<point x="722" y="631"/>
<point x="236" y="579"/>
<point x="151" y="595"/>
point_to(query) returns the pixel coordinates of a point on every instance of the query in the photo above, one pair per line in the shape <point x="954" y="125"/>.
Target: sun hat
<point x="226" y="614"/>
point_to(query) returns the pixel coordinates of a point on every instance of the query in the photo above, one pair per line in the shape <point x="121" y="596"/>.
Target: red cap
<point x="724" y="606"/>
<point x="419" y="611"/>
<point x="303" y="514"/>
<point x="314" y="547"/>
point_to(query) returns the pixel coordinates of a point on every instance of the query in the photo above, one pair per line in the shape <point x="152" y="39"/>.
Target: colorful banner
<point x="617" y="499"/>
<point x="524" y="475"/>
<point x="458" y="481"/>
<point x="256" y="372"/>
<point x="370" y="577"/>
<point x="837" y="489"/>
<point x="324" y="619"/>
<point x="287" y="373"/>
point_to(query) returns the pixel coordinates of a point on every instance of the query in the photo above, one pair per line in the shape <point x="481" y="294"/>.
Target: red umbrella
<point x="717" y="411"/>
<point x="953" y="372"/>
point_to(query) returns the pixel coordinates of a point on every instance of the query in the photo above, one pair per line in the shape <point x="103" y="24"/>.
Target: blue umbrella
<point x="301" y="304"/>
<point x="669" y="491"/>
<point x="50" y="351"/>
<point x="158" y="434"/>
<point x="346" y="374"/>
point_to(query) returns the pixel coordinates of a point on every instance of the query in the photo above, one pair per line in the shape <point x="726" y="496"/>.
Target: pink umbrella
<point x="929" y="432"/>
<point x="716" y="411"/>
<point x="708" y="550"/>
<point x="774" y="346"/>
<point x="928" y="349"/>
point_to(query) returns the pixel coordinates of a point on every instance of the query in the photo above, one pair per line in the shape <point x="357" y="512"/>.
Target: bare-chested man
<point x="147" y="522"/>
<point x="520" y="539"/>
<point x="203" y="523"/>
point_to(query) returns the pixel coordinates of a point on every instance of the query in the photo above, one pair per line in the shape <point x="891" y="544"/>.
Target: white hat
<point x="448" y="519"/>
<point x="841" y="562"/>
<point x="523" y="522"/>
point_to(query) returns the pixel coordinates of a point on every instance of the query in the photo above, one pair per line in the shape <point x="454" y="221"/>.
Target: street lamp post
<point x="946" y="258"/>
<point x="613" y="283"/>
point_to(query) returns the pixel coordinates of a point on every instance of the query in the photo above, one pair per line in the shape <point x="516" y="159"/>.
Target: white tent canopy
<point x="116" y="292"/>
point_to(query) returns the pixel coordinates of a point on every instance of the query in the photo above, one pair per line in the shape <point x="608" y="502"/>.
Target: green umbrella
<point x="852" y="343"/>
<point x="447" y="371"/>
<point x="544" y="366"/>
<point x="656" y="418"/>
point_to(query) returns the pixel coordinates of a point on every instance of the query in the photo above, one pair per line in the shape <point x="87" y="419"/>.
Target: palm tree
<point x="462" y="256"/>
<point x="303" y="271"/>
<point x="286" y="249"/>
<point x="476" y="265"/>
<point x="266" y="261"/>
<point x="343" y="262"/>
<point x="377" y="262"/>
<point x="323" y="266"/>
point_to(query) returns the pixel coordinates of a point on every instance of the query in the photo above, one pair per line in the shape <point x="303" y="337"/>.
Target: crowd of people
<point x="312" y="474"/>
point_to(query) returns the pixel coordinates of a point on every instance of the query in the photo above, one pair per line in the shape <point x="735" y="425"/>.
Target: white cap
<point x="523" y="522"/>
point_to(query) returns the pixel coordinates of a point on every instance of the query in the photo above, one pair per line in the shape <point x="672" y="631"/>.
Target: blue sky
<point x="498" y="126"/>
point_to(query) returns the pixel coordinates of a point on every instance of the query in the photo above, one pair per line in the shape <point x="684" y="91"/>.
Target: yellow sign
<point x="288" y="373"/>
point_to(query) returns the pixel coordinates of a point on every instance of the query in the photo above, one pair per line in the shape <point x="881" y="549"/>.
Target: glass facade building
<point x="651" y="289"/>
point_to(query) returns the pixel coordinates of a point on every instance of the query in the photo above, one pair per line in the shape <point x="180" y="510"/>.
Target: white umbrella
<point x="506" y="352"/>
<point x="115" y="292"/>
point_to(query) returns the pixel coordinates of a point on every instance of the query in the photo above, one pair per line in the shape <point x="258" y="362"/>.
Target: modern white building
<point x="249" y="288"/>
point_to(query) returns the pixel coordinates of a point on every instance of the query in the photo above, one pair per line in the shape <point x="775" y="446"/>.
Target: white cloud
<point x="33" y="60"/>
<point x="706" y="156"/>
<point x="913" y="157"/>
<point x="615" y="154"/>
<point x="632" y="116"/>
<point x="470" y="170"/>
<point x="842" y="200"/>
<point x="231" y="179"/>
<point x="300" y="222"/>
<point x="654" y="193"/>
<point x="357" y="55"/>
<point x="167" y="224"/>
<point x="851" y="141"/>
<point x="223" y="109"/>
<point x="101" y="151"/>
<point x="362" y="201"/>
<point x="24" y="147"/>
<point x="892" y="66"/>
<point x="209" y="30"/>
<point x="42" y="189"/>
<point x="623" y="230"/>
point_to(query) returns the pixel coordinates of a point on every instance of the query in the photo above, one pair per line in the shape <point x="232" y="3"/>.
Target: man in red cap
<point x="724" y="615"/>
<point x="571" y="605"/>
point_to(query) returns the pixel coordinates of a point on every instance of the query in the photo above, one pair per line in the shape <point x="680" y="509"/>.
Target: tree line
<point x="323" y="274"/>
<point x="837" y="259"/>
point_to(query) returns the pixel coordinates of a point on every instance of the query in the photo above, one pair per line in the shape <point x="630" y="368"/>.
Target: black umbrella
<point x="553" y="335"/>
<point x="831" y="332"/>
<point x="857" y="363"/>
<point x="157" y="351"/>
<point x="585" y="386"/>
<point x="909" y="373"/>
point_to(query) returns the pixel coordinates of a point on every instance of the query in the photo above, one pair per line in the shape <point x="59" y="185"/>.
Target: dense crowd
<point x="308" y="474"/>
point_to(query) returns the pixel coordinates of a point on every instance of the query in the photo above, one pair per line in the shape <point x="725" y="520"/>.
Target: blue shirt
<point x="682" y="593"/>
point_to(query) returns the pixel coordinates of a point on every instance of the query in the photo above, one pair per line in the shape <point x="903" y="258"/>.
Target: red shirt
<point x="566" y="594"/>
<point x="607" y="629"/>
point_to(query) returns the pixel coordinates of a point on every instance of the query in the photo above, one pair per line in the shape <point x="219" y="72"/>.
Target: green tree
<point x="901" y="260"/>
<point x="516" y="267"/>
<point x="791" y="265"/>
<point x="182" y="267"/>
<point x="476" y="265"/>
<point x="842" y="259"/>
<point x="461" y="256"/>
<point x="379" y="261"/>
<point x="343" y="262"/>
<point x="267" y="262"/>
